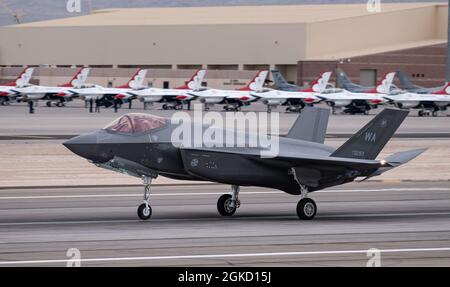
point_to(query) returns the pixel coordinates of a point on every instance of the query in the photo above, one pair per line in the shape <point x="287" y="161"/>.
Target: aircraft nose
<point x="84" y="145"/>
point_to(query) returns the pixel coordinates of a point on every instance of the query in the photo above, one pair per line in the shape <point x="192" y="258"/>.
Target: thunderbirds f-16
<point x="295" y="100"/>
<point x="432" y="103"/>
<point x="7" y="91"/>
<point x="59" y="94"/>
<point x="361" y="101"/>
<point x="107" y="95"/>
<point x="172" y="98"/>
<point x="145" y="146"/>
<point x="232" y="99"/>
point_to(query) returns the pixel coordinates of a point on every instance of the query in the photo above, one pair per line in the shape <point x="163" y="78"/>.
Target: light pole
<point x="447" y="74"/>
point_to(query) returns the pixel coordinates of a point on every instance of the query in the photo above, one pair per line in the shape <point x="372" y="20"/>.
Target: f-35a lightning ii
<point x="141" y="145"/>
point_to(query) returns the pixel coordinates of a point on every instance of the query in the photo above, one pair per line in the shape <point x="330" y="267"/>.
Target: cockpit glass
<point x="136" y="123"/>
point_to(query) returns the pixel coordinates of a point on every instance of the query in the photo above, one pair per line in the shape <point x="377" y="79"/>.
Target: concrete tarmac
<point x="73" y="120"/>
<point x="408" y="222"/>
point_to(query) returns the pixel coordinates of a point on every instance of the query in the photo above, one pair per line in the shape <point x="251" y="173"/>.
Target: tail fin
<point x="257" y="83"/>
<point x="405" y="82"/>
<point x="319" y="84"/>
<point x="311" y="125"/>
<point x="444" y="91"/>
<point x="23" y="79"/>
<point x="195" y="83"/>
<point x="368" y="142"/>
<point x="278" y="79"/>
<point x="384" y="85"/>
<point x="78" y="80"/>
<point x="136" y="82"/>
<point x="343" y="80"/>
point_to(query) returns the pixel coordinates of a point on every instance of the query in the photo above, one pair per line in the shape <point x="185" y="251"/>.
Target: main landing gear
<point x="145" y="210"/>
<point x="229" y="203"/>
<point x="306" y="207"/>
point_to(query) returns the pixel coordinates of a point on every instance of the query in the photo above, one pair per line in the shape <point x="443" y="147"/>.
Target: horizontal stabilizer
<point x="311" y="125"/>
<point x="396" y="160"/>
<point x="403" y="157"/>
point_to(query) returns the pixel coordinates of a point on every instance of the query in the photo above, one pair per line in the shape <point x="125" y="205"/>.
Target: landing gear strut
<point x="306" y="207"/>
<point x="229" y="203"/>
<point x="145" y="210"/>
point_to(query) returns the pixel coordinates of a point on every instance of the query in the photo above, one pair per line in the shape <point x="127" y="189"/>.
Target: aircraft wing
<point x="289" y="159"/>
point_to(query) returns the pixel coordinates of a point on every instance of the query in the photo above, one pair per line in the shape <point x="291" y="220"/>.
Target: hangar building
<point x="232" y="42"/>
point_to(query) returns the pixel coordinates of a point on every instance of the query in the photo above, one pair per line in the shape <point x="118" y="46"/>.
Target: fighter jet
<point x="407" y="85"/>
<point x="363" y="100"/>
<point x="144" y="146"/>
<point x="7" y="91"/>
<point x="172" y="99"/>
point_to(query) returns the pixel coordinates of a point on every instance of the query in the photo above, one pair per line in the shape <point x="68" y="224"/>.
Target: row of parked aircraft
<point x="350" y="97"/>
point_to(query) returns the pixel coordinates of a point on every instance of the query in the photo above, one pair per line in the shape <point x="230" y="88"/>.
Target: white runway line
<point x="221" y="256"/>
<point x="214" y="193"/>
<point x="294" y="217"/>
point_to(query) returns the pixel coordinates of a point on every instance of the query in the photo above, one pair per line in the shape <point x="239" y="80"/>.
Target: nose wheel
<point x="229" y="203"/>
<point x="144" y="210"/>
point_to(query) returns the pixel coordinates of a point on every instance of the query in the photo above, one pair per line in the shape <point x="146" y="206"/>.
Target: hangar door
<point x="368" y="77"/>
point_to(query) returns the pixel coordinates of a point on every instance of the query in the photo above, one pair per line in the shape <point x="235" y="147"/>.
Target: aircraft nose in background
<point x="83" y="145"/>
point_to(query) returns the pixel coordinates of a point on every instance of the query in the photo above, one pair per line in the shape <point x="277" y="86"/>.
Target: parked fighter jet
<point x="7" y="93"/>
<point x="430" y="103"/>
<point x="107" y="96"/>
<point x="60" y="94"/>
<point x="281" y="84"/>
<point x="295" y="100"/>
<point x="232" y="99"/>
<point x="362" y="101"/>
<point x="407" y="85"/>
<point x="172" y="98"/>
<point x="143" y="145"/>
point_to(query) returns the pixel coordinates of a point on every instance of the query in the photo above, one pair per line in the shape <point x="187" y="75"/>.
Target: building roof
<point x="223" y="15"/>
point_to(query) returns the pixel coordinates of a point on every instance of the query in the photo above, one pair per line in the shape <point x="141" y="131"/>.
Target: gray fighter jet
<point x="141" y="145"/>
<point x="407" y="85"/>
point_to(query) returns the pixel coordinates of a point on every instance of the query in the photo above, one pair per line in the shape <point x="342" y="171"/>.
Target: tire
<point x="142" y="213"/>
<point x="223" y="205"/>
<point x="306" y="209"/>
<point x="420" y="114"/>
<point x="165" y="107"/>
<point x="49" y="104"/>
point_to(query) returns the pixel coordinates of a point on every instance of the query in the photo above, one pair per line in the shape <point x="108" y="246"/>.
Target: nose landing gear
<point x="145" y="210"/>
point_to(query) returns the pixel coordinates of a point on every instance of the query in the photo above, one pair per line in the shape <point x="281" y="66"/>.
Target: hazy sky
<point x="36" y="10"/>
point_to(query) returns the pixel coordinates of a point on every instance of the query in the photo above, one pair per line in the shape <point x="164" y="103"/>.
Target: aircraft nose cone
<point x="83" y="145"/>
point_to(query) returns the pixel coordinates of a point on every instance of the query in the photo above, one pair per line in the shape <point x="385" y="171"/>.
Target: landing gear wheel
<point x="306" y="209"/>
<point x="144" y="211"/>
<point x="225" y="205"/>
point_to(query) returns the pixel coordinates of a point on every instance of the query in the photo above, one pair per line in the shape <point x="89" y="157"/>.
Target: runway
<point x="409" y="222"/>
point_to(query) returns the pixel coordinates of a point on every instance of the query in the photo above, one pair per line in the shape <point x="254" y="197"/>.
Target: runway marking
<point x="221" y="256"/>
<point x="213" y="193"/>
<point x="218" y="219"/>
